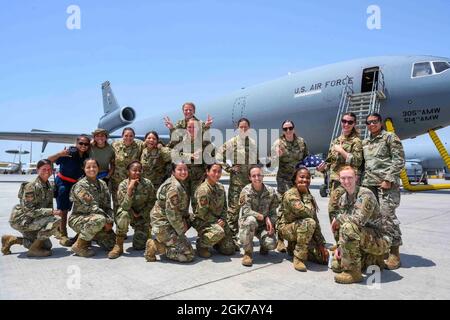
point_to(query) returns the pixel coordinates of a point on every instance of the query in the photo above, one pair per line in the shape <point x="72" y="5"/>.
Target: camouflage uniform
<point x="141" y="202"/>
<point x="360" y="229"/>
<point x="124" y="156"/>
<point x="243" y="153"/>
<point x="299" y="224"/>
<point x="155" y="163"/>
<point x="352" y="145"/>
<point x="196" y="167"/>
<point x="168" y="218"/>
<point x="384" y="159"/>
<point x="91" y="211"/>
<point x="33" y="217"/>
<point x="182" y="124"/>
<point x="253" y="202"/>
<point x="212" y="206"/>
<point x="293" y="152"/>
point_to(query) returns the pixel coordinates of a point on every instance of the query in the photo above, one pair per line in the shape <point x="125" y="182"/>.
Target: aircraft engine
<point x="117" y="119"/>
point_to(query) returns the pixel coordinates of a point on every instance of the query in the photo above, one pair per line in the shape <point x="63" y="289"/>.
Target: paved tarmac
<point x="424" y="273"/>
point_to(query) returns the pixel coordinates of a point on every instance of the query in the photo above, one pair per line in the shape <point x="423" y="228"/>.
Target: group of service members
<point x="152" y="192"/>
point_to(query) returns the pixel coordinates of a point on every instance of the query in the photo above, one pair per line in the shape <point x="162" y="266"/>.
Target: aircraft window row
<point x="422" y="69"/>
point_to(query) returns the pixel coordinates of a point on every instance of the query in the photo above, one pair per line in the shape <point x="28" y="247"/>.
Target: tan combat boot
<point x="393" y="261"/>
<point x="37" y="249"/>
<point x="8" y="241"/>
<point x="299" y="265"/>
<point x="280" y="246"/>
<point x="348" y="277"/>
<point x="81" y="248"/>
<point x="203" y="252"/>
<point x="118" y="248"/>
<point x="152" y="248"/>
<point x="336" y="265"/>
<point x="63" y="238"/>
<point x="247" y="259"/>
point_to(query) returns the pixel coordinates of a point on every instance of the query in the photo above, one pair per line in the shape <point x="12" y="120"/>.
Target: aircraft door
<point x="369" y="78"/>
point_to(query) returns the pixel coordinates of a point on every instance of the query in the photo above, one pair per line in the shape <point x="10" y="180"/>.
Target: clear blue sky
<point x="158" y="54"/>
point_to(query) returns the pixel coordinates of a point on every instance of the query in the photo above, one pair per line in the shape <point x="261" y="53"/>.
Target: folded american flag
<point x="310" y="161"/>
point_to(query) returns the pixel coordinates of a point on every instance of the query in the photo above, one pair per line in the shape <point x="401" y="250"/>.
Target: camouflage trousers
<point x="90" y="227"/>
<point x="354" y="240"/>
<point x="141" y="226"/>
<point x="36" y="227"/>
<point x="215" y="236"/>
<point x="336" y="192"/>
<point x="178" y="247"/>
<point x="237" y="183"/>
<point x="249" y="228"/>
<point x="300" y="233"/>
<point x="284" y="183"/>
<point x="389" y="200"/>
<point x="195" y="179"/>
<point x="40" y="226"/>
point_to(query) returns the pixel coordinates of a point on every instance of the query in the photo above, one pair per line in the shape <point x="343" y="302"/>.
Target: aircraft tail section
<point x="109" y="100"/>
<point x="114" y="117"/>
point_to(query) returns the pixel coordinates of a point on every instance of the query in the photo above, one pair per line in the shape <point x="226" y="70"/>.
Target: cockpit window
<point x="441" y="66"/>
<point x="422" y="69"/>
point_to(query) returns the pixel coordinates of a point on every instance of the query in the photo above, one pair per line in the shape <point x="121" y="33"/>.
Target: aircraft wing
<point x="58" y="137"/>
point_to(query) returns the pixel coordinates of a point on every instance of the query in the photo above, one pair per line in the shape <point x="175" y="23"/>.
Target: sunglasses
<point x="372" y="122"/>
<point x="288" y="129"/>
<point x="83" y="144"/>
<point x="349" y="122"/>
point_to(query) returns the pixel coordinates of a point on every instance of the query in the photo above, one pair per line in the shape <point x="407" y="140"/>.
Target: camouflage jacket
<point x="265" y="202"/>
<point x="142" y="200"/>
<point x="154" y="164"/>
<point x="351" y="144"/>
<point x="384" y="159"/>
<point x="212" y="204"/>
<point x="36" y="199"/>
<point x="171" y="207"/>
<point x="124" y="156"/>
<point x="361" y="209"/>
<point x="296" y="206"/>
<point x="292" y="153"/>
<point x="182" y="124"/>
<point x="204" y="149"/>
<point x="239" y="151"/>
<point x="91" y="198"/>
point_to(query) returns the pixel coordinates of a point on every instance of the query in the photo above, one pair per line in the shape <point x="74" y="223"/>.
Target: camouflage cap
<point x="100" y="131"/>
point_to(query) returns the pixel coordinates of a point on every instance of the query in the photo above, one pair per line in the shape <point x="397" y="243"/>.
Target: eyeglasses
<point x="349" y="122"/>
<point x="369" y="122"/>
<point x="288" y="129"/>
<point x="83" y="144"/>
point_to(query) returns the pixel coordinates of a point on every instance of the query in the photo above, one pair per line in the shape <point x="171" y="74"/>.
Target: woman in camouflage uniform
<point x="136" y="198"/>
<point x="127" y="150"/>
<point x="92" y="216"/>
<point x="170" y="219"/>
<point x="299" y="224"/>
<point x="344" y="150"/>
<point x="155" y="160"/>
<point x="34" y="217"/>
<point x="195" y="155"/>
<point x="287" y="152"/>
<point x="210" y="218"/>
<point x="242" y="152"/>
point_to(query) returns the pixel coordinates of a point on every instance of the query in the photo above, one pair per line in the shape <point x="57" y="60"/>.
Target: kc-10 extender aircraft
<point x="412" y="91"/>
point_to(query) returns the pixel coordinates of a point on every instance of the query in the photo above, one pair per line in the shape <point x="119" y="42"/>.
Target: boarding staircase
<point x="362" y="104"/>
